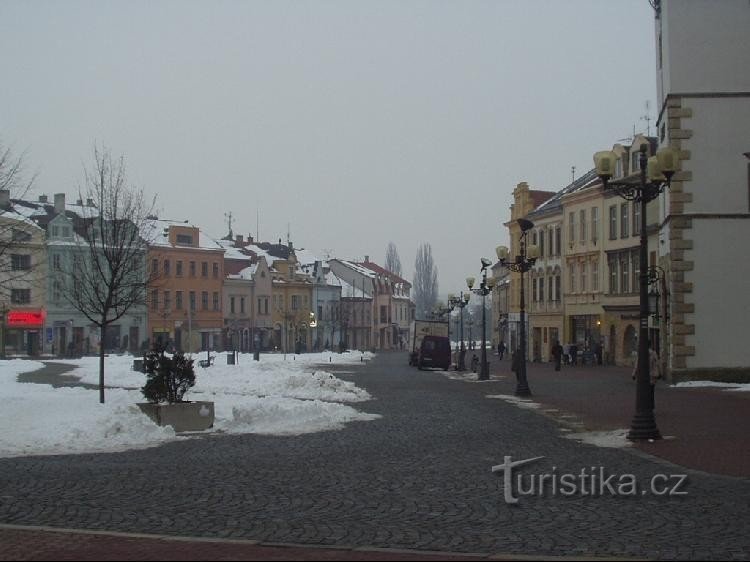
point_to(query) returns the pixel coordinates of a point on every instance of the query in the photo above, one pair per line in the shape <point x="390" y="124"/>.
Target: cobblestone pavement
<point x="418" y="478"/>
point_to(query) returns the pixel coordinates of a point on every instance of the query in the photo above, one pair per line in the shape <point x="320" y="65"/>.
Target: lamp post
<point x="484" y="289"/>
<point x="460" y="302"/>
<point x="655" y="174"/>
<point x="523" y="262"/>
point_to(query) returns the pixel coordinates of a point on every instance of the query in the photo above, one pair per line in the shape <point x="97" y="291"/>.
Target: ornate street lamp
<point x="460" y="302"/>
<point x="522" y="263"/>
<point x="655" y="174"/>
<point x="484" y="289"/>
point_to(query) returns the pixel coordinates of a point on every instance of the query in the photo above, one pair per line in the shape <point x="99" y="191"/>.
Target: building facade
<point x="705" y="113"/>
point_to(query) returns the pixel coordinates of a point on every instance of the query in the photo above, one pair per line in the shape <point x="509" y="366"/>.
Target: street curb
<point x="255" y="543"/>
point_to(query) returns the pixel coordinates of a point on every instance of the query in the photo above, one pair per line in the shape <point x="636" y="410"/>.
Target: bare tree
<point x="392" y="261"/>
<point x="20" y="239"/>
<point x="425" y="281"/>
<point x="109" y="274"/>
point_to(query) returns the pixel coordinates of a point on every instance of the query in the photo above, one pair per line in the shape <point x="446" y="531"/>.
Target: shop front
<point x="22" y="332"/>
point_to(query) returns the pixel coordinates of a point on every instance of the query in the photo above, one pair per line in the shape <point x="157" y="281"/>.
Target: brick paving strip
<point x="704" y="428"/>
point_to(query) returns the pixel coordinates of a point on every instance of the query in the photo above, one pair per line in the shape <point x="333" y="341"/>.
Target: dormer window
<point x="184" y="240"/>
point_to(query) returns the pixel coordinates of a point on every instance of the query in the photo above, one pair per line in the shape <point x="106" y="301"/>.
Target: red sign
<point x="25" y="318"/>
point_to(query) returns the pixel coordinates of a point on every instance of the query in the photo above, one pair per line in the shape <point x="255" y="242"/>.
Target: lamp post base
<point x="522" y="389"/>
<point x="643" y="427"/>
<point x="461" y="360"/>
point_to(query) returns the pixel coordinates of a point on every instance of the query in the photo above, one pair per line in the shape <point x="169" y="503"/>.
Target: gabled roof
<point x="555" y="203"/>
<point x="383" y="271"/>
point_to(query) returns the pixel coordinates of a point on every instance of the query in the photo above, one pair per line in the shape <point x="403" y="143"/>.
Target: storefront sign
<point x="24" y="319"/>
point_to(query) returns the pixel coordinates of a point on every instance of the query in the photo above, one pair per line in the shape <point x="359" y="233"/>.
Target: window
<point x="595" y="276"/>
<point x="154" y="299"/>
<point x="178" y="268"/>
<point x="558" y="287"/>
<point x="542" y="238"/>
<point x="242" y="305"/>
<point x="624" y="274"/>
<point x="192" y="301"/>
<point x="383" y="314"/>
<point x="20" y="296"/>
<point x="636" y="219"/>
<point x="57" y="290"/>
<point x="533" y="290"/>
<point x="594" y="224"/>
<point x="572" y="277"/>
<point x="541" y="289"/>
<point x="295" y="302"/>
<point x="550" y="289"/>
<point x="558" y="239"/>
<point x="613" y="222"/>
<point x="154" y="267"/>
<point x="265" y="308"/>
<point x="583" y="225"/>
<point x="204" y="269"/>
<point x="551" y="237"/>
<point x="260" y="301"/>
<point x="624" y="222"/>
<point x="20" y="262"/>
<point x="192" y="269"/>
<point x="55" y="231"/>
<point x="216" y="302"/>
<point x="636" y="264"/>
<point x="178" y="300"/>
<point x="167" y="300"/>
<point x="231" y="305"/>
<point x="584" y="267"/>
<point x="612" y="275"/>
<point x="21" y="236"/>
<point x="572" y="228"/>
<point x="216" y="270"/>
<point x="204" y="300"/>
<point x="166" y="268"/>
<point x="185" y="239"/>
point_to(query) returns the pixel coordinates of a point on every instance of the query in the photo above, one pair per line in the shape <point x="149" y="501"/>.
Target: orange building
<point x="185" y="300"/>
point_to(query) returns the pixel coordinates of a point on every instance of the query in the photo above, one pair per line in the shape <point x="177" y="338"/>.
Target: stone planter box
<point x="182" y="416"/>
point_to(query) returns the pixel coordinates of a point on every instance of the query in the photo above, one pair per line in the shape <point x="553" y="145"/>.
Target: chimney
<point x="250" y="239"/>
<point x="59" y="203"/>
<point x="367" y="259"/>
<point x="89" y="202"/>
<point x="239" y="241"/>
<point x="42" y="198"/>
<point x="4" y="198"/>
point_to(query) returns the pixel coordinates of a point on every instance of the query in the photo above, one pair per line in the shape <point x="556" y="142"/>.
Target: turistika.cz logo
<point x="590" y="481"/>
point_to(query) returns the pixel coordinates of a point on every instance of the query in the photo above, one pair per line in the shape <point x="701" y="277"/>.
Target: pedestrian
<point x="598" y="350"/>
<point x="574" y="354"/>
<point x="557" y="353"/>
<point x="501" y="349"/>
<point x="474" y="363"/>
<point x="654" y="370"/>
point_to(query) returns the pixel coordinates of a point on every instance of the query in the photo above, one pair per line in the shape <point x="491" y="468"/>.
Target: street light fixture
<point x="484" y="289"/>
<point x="655" y="175"/>
<point x="460" y="302"/>
<point x="522" y="263"/>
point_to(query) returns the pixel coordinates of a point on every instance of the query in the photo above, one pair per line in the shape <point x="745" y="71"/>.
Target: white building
<point x="703" y="57"/>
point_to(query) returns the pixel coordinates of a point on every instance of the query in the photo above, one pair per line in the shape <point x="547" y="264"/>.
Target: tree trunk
<point x="102" y="329"/>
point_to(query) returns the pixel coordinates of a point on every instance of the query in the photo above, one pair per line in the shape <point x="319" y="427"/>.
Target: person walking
<point x="557" y="353"/>
<point x="574" y="354"/>
<point x="501" y="349"/>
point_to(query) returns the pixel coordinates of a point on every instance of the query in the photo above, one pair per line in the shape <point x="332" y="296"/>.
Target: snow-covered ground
<point x="273" y="396"/>
<point x="739" y="387"/>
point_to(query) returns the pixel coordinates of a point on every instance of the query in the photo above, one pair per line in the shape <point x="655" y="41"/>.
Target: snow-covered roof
<point x="156" y="231"/>
<point x="306" y="257"/>
<point x="369" y="273"/>
<point x="246" y="273"/>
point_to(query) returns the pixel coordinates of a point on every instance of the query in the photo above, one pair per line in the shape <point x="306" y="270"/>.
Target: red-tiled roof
<point x="539" y="197"/>
<point x="383" y="271"/>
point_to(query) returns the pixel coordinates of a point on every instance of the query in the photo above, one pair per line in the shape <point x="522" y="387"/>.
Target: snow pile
<point x="516" y="401"/>
<point x="39" y="420"/>
<point x="740" y="387"/>
<point x="616" y="439"/>
<point x="273" y="396"/>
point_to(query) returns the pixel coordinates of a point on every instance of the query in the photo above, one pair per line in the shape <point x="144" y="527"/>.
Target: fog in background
<point x="350" y="123"/>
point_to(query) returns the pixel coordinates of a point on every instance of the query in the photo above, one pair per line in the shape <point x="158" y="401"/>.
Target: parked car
<point x="435" y="352"/>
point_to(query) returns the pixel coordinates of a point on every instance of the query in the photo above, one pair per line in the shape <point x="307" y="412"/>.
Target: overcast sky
<point x="355" y="123"/>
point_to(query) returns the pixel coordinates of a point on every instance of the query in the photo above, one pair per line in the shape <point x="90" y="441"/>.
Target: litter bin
<point x="230" y="358"/>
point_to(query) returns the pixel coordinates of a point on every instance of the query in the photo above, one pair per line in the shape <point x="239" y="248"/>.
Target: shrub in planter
<point x="168" y="378"/>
